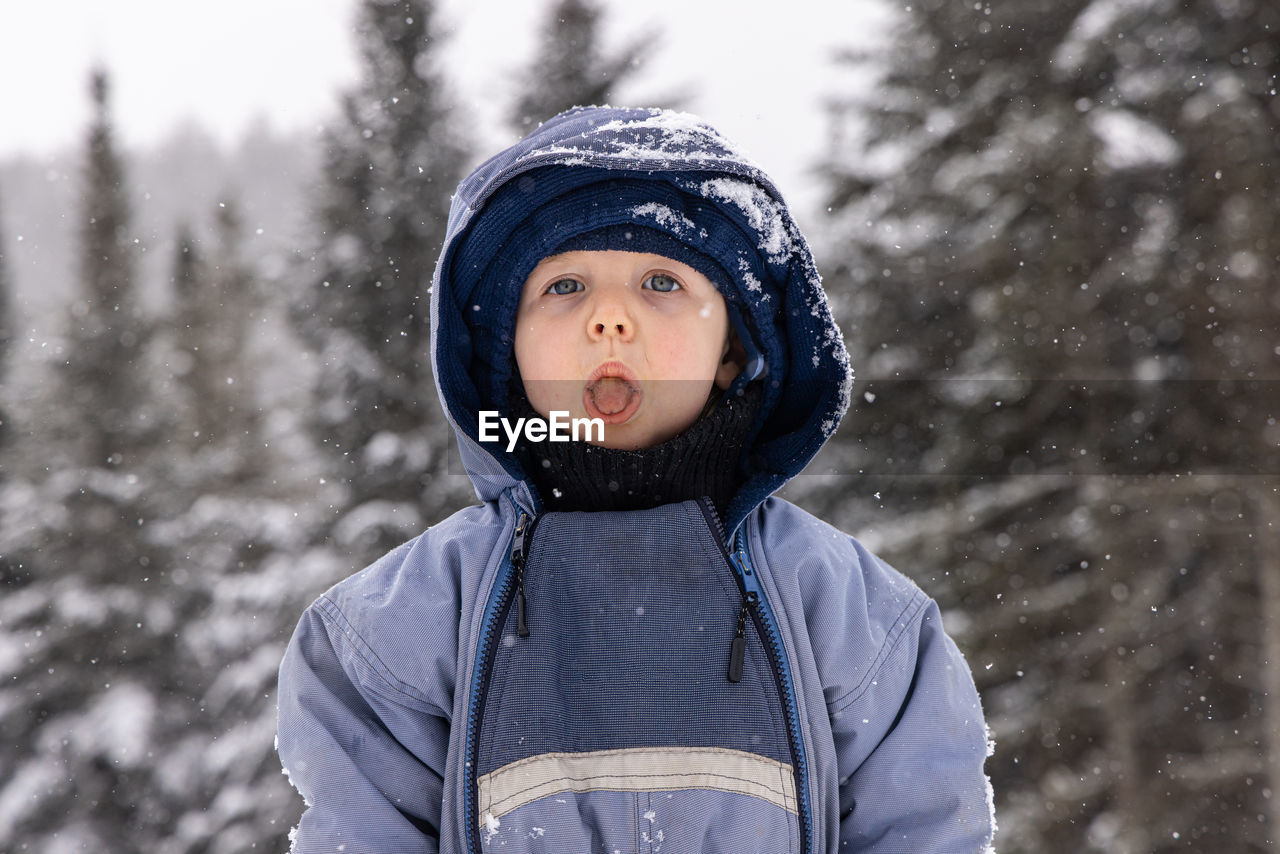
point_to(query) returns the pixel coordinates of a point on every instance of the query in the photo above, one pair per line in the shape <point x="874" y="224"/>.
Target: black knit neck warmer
<point x="703" y="460"/>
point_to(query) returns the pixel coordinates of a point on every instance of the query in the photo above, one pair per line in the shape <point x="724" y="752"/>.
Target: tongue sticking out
<point x="611" y="395"/>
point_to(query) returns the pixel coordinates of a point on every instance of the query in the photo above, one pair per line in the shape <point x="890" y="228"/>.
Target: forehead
<point x="615" y="259"/>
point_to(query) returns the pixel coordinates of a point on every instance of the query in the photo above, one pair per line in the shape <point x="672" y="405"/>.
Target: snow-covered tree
<point x="217" y="308"/>
<point x="569" y="66"/>
<point x="111" y="415"/>
<point x="84" y="696"/>
<point x="186" y="278"/>
<point x="145" y="600"/>
<point x="1054" y="234"/>
<point x="392" y="160"/>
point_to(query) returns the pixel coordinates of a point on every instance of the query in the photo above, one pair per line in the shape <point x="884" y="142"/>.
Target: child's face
<point x="634" y="339"/>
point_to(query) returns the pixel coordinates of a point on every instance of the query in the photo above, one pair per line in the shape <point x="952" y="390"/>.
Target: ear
<point x="732" y="360"/>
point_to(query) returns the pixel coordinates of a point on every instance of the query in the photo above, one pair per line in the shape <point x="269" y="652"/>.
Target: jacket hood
<point x="671" y="164"/>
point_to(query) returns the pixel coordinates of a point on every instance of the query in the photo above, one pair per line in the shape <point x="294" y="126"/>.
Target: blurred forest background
<point x="1051" y="233"/>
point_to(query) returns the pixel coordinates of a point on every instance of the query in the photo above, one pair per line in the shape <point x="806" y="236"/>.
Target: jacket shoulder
<point x="823" y="553"/>
<point x="858" y="610"/>
<point x="399" y="616"/>
<point x="429" y="559"/>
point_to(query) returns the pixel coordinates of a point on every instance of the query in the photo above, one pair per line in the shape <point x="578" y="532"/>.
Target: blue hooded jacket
<point x="414" y="716"/>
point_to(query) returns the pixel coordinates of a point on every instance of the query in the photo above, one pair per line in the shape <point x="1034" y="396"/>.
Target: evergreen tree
<point x="568" y="68"/>
<point x="88" y="695"/>
<point x="185" y="275"/>
<point x="391" y="163"/>
<point x="111" y="414"/>
<point x="218" y="307"/>
<point x="1058" y="228"/>
<point x="185" y="279"/>
<point x="152" y="597"/>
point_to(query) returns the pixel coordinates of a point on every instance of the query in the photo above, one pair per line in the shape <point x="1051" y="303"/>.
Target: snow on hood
<point x="803" y="363"/>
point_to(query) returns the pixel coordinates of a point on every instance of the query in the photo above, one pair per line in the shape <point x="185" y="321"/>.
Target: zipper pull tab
<point x="518" y="560"/>
<point x="522" y="628"/>
<point x="738" y="649"/>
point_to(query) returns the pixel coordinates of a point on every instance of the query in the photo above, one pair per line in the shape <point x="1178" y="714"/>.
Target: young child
<point x="628" y="645"/>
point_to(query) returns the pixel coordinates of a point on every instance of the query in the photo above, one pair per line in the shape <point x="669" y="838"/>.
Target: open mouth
<point x="612" y="393"/>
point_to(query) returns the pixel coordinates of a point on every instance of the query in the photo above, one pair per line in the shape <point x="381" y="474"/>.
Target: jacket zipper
<point x="518" y="560"/>
<point x="753" y="603"/>
<point x="512" y="581"/>
<point x="738" y="647"/>
<point x="512" y="575"/>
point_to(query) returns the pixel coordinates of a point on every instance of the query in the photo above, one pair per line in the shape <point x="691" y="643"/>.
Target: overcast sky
<point x="759" y="70"/>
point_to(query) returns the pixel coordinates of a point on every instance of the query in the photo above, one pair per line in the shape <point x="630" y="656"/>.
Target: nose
<point x="610" y="319"/>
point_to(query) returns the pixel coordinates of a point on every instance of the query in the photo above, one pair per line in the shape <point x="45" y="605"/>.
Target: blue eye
<point x="662" y="283"/>
<point x="563" y="287"/>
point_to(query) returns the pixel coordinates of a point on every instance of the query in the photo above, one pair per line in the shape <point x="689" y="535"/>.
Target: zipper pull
<point x="522" y="628"/>
<point x="738" y="649"/>
<point x="518" y="560"/>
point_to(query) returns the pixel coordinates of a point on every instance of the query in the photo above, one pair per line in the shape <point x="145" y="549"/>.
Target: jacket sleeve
<point x="910" y="747"/>
<point x="344" y="728"/>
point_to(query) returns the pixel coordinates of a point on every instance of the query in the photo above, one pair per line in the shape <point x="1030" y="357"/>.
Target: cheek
<point x="549" y="368"/>
<point x="694" y="349"/>
<point x="541" y="370"/>
<point x="535" y="346"/>
<point x="525" y="349"/>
